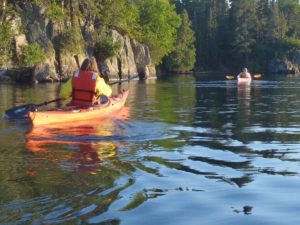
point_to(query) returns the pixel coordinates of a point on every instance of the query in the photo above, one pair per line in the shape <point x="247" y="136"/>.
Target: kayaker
<point x="244" y="74"/>
<point x="86" y="86"/>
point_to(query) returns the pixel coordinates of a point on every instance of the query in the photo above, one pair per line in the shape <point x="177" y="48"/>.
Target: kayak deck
<point x="76" y="113"/>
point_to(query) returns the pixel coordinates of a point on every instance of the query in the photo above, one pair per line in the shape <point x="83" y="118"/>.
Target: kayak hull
<point x="75" y="113"/>
<point x="242" y="80"/>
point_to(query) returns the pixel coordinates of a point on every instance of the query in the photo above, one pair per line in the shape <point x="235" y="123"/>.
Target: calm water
<point x="185" y="150"/>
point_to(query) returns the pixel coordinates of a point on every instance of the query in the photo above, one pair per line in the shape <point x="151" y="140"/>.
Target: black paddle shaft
<point x="20" y="112"/>
<point x="121" y="81"/>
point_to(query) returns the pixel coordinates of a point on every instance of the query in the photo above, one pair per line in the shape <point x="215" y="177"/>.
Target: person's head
<point x="89" y="64"/>
<point x="94" y="66"/>
<point x="245" y="70"/>
<point x="85" y="64"/>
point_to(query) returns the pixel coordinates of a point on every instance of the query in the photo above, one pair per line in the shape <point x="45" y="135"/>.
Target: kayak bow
<point x="75" y="113"/>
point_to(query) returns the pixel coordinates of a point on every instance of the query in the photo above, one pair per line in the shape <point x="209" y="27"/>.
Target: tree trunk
<point x="71" y="9"/>
<point x="2" y="10"/>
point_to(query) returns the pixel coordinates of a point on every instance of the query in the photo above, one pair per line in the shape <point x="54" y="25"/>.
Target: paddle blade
<point x="19" y="112"/>
<point x="257" y="75"/>
<point x="229" y="77"/>
<point x="22" y="111"/>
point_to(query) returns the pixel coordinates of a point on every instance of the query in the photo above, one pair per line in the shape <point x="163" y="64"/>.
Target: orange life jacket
<point x="84" y="87"/>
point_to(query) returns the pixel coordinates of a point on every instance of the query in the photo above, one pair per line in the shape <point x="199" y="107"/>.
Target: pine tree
<point x="262" y="15"/>
<point x="216" y="31"/>
<point x="209" y="23"/>
<point x="184" y="56"/>
<point x="276" y="26"/>
<point x="244" y="22"/>
<point x="291" y="11"/>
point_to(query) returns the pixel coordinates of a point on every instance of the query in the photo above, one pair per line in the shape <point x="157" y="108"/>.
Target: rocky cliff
<point x="285" y="65"/>
<point x="133" y="58"/>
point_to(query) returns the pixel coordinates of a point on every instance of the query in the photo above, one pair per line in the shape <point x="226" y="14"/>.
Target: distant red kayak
<point x="74" y="114"/>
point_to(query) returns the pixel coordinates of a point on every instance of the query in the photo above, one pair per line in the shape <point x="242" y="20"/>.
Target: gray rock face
<point x="44" y="72"/>
<point x="132" y="59"/>
<point x="3" y="75"/>
<point x="143" y="60"/>
<point x="286" y="65"/>
<point x="296" y="61"/>
<point x="20" y="41"/>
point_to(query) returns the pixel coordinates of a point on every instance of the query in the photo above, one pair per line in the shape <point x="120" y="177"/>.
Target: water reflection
<point x="87" y="152"/>
<point x="229" y="135"/>
<point x="79" y="151"/>
<point x="192" y="144"/>
<point x="69" y="158"/>
<point x="244" y="98"/>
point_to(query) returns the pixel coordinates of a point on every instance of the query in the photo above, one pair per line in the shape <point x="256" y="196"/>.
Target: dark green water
<point x="185" y="150"/>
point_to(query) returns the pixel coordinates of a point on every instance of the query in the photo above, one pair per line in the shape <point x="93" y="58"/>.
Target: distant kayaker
<point x="86" y="86"/>
<point x="244" y="74"/>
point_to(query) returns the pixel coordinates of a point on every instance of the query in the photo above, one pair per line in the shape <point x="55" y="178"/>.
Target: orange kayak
<point x="75" y="113"/>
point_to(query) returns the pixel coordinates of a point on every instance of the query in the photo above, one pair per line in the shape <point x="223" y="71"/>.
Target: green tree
<point x="32" y="54"/>
<point x="262" y="16"/>
<point x="71" y="41"/>
<point x="197" y="12"/>
<point x="276" y="26"/>
<point x="57" y="14"/>
<point x="5" y="43"/>
<point x="184" y="56"/>
<point x="122" y="15"/>
<point x="209" y="22"/>
<point x="291" y="11"/>
<point x="244" y="24"/>
<point x="105" y="47"/>
<point x="159" y="22"/>
<point x="215" y="32"/>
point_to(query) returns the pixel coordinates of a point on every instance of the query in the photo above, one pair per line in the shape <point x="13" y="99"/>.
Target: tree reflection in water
<point x="79" y="158"/>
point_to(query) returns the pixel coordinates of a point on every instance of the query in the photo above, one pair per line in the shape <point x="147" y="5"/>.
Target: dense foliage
<point x="105" y="47"/>
<point x="184" y="56"/>
<point x="244" y="32"/>
<point x="159" y="23"/>
<point x="71" y="41"/>
<point x="224" y="34"/>
<point x="32" y="54"/>
<point x="152" y="22"/>
<point x="5" y="43"/>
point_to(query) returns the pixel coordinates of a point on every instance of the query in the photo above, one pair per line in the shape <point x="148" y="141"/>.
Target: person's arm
<point x="66" y="90"/>
<point x="103" y="88"/>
